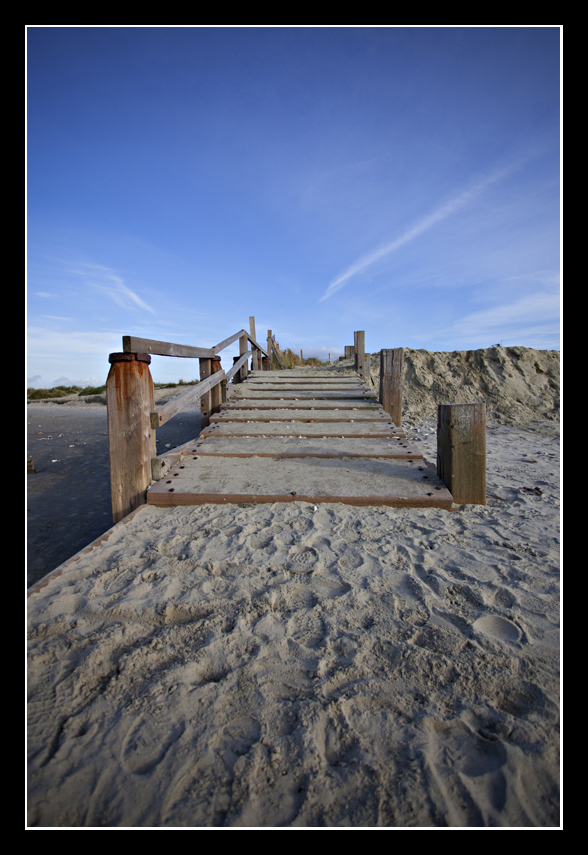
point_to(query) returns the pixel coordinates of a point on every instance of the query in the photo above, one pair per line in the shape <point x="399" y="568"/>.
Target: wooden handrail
<point x="134" y="344"/>
<point x="241" y="361"/>
<point x="163" y="414"/>
<point x="133" y="417"/>
<point x="227" y="341"/>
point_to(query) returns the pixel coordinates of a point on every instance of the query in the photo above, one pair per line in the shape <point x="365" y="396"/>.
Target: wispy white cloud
<point x="423" y="225"/>
<point x="533" y="320"/>
<point x="109" y="283"/>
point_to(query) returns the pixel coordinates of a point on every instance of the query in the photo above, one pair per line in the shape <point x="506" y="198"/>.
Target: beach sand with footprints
<point x="298" y="665"/>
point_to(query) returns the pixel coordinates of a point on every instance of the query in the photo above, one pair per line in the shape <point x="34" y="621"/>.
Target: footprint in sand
<point x="303" y="559"/>
<point x="498" y="628"/>
<point x="146" y="744"/>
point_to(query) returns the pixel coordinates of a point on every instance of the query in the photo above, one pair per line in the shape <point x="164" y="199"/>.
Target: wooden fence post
<point x="360" y="352"/>
<point x="391" y="383"/>
<point x="206" y="399"/>
<point x="256" y="355"/>
<point x="269" y="350"/>
<point x="131" y="439"/>
<point x="243" y="348"/>
<point x="461" y="451"/>
<point x="349" y="351"/>
<point x="216" y="391"/>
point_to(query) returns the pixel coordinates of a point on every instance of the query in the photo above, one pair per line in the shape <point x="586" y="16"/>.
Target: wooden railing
<point x="133" y="417"/>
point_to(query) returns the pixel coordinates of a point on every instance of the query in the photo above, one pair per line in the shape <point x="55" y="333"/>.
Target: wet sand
<point x="68" y="497"/>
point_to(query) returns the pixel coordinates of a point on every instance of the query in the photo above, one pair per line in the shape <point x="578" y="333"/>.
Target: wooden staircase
<point x="301" y="435"/>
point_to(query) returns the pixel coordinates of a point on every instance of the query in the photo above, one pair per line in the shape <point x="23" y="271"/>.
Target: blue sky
<point x="404" y="181"/>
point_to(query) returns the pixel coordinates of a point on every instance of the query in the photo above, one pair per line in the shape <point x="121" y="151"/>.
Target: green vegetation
<point x="63" y="392"/>
<point x="292" y="360"/>
<point x="93" y="390"/>
<point x="173" y="385"/>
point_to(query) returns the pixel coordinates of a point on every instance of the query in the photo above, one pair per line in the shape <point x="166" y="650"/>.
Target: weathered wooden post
<point x="391" y="383"/>
<point x="255" y="356"/>
<point x="301" y="355"/>
<point x="461" y="451"/>
<point x="206" y="399"/>
<point x="269" y="350"/>
<point x="243" y="348"/>
<point x="131" y="439"/>
<point x="360" y="352"/>
<point x="349" y="351"/>
<point x="216" y="391"/>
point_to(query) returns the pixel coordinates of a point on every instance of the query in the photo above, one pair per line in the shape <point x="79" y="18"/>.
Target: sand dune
<point x="317" y="666"/>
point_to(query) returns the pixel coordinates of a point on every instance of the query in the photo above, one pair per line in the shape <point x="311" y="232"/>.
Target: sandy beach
<point x="313" y="666"/>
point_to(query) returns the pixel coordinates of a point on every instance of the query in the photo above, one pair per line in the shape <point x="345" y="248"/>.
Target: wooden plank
<point x="363" y="430"/>
<point x="324" y="394"/>
<point x="295" y="447"/>
<point x="353" y="481"/>
<point x="133" y="344"/>
<point x="301" y="415"/>
<point x="163" y="414"/>
<point x="297" y="404"/>
<point x="461" y="451"/>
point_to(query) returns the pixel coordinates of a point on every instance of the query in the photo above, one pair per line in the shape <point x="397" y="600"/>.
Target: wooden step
<point x="295" y="446"/>
<point x="360" y="430"/>
<point x="205" y="479"/>
<point x="299" y="415"/>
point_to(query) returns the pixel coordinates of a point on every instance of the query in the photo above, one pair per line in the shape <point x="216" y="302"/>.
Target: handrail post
<point x="461" y="451"/>
<point x="243" y="348"/>
<point x="391" y="383"/>
<point x="206" y="399"/>
<point x="216" y="391"/>
<point x="131" y="439"/>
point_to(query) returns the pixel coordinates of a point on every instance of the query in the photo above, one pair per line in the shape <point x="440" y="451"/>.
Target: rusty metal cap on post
<point x="129" y="357"/>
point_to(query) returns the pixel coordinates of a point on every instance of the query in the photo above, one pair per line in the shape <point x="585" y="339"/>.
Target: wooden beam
<point x="391" y="383"/>
<point x="205" y="400"/>
<point x="237" y="365"/>
<point x="227" y="341"/>
<point x="163" y="414"/>
<point x="131" y="439"/>
<point x="461" y="451"/>
<point x="132" y="344"/>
